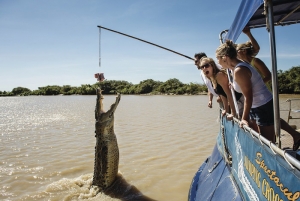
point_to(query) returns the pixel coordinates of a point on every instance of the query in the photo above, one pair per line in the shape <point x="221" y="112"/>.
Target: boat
<point x="244" y="165"/>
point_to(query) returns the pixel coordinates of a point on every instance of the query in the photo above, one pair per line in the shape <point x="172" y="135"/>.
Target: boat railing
<point x="290" y="109"/>
<point x="291" y="160"/>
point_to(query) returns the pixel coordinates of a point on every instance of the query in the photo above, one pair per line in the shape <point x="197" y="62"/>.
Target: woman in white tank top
<point x="258" y="101"/>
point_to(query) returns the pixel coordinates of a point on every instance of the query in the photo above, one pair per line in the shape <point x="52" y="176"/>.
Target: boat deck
<point x="292" y="116"/>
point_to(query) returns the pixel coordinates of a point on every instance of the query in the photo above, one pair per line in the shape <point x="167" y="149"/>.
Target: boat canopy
<point x="252" y="13"/>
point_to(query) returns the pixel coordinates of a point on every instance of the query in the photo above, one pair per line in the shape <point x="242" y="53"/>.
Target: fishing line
<point x="99" y="47"/>
<point x="99" y="76"/>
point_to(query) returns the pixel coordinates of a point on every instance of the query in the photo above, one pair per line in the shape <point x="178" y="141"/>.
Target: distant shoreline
<point x="150" y="94"/>
<point x="200" y="94"/>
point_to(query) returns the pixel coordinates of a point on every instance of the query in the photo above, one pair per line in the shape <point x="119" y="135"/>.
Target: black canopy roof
<point x="285" y="12"/>
<point x="253" y="13"/>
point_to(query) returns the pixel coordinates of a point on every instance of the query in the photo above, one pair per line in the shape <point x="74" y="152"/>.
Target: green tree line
<point x="171" y="86"/>
<point x="288" y="83"/>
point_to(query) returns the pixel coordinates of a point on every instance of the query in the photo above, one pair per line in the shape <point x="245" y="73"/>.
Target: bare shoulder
<point x="257" y="61"/>
<point x="221" y="76"/>
<point x="242" y="71"/>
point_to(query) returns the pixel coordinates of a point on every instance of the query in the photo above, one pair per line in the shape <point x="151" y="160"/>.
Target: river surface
<point x="47" y="145"/>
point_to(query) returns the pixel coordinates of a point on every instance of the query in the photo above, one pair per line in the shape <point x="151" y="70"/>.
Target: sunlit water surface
<point x="47" y="145"/>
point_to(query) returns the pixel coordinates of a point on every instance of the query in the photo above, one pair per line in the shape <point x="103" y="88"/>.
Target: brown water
<point x="47" y="145"/>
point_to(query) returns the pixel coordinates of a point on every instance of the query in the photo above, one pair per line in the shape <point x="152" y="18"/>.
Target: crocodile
<point x="106" y="176"/>
<point x="106" y="149"/>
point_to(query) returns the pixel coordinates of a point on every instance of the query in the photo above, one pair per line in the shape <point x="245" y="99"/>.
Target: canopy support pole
<point x="230" y="79"/>
<point x="270" y="21"/>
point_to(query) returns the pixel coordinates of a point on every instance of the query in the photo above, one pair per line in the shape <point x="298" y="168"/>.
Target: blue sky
<point x="56" y="42"/>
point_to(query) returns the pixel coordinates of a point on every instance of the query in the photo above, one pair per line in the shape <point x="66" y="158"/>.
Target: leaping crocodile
<point x="106" y="175"/>
<point x="106" y="150"/>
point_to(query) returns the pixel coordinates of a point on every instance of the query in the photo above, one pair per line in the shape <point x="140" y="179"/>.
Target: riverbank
<point x="288" y="96"/>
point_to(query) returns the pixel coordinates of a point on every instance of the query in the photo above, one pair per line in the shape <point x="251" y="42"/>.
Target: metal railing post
<point x="274" y="72"/>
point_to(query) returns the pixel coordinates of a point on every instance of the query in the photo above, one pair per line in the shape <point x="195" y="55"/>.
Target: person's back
<point x="261" y="94"/>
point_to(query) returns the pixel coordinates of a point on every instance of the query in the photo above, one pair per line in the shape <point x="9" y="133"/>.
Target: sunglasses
<point x="204" y="66"/>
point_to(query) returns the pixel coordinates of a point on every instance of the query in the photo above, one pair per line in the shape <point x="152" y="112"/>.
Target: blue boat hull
<point x="243" y="168"/>
<point x="213" y="181"/>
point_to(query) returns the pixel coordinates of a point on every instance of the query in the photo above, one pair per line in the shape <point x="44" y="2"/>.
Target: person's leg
<point x="264" y="117"/>
<point x="253" y="125"/>
<point x="268" y="132"/>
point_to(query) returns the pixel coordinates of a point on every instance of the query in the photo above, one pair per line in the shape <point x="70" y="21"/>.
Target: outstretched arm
<point x="210" y="98"/>
<point x="223" y="81"/>
<point x="242" y="76"/>
<point x="225" y="105"/>
<point x="255" y="45"/>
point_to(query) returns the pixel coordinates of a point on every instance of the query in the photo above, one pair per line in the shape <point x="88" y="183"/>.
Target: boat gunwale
<point x="292" y="161"/>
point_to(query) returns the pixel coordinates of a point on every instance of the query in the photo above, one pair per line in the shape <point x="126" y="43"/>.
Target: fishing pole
<point x="146" y="42"/>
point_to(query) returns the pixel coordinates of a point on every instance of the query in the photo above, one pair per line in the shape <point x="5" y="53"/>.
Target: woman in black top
<point x="221" y="86"/>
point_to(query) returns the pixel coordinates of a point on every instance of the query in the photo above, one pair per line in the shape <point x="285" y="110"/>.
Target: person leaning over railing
<point x="220" y="82"/>
<point x="258" y="100"/>
<point x="207" y="82"/>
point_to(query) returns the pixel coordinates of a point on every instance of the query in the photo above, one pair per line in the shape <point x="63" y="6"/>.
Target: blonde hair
<point x="215" y="69"/>
<point x="227" y="49"/>
<point x="243" y="46"/>
<point x="246" y="46"/>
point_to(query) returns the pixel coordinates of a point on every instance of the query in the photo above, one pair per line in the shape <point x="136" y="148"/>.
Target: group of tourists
<point x="250" y="87"/>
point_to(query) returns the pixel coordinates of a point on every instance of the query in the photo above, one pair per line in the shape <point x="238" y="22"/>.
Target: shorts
<point x="263" y="115"/>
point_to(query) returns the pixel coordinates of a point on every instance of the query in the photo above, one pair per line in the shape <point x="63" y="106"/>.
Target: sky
<point x="58" y="42"/>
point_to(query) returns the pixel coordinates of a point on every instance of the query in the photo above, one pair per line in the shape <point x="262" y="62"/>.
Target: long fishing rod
<point x="146" y="42"/>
